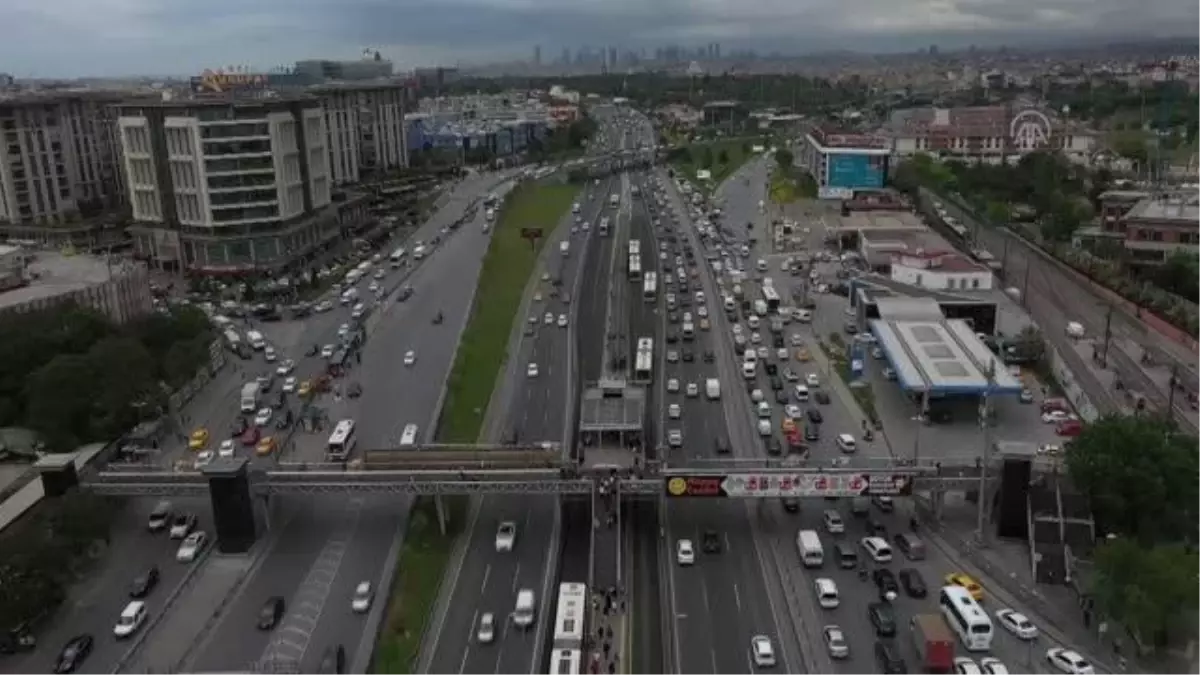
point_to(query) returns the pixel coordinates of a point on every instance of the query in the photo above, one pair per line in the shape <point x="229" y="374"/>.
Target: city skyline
<point x="129" y="37"/>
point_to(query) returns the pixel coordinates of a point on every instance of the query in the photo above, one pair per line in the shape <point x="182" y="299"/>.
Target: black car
<point x="672" y="338"/>
<point x="721" y="445"/>
<point x="814" y="416"/>
<point x="777" y="341"/>
<point x="774" y="447"/>
<point x="790" y="504"/>
<point x="284" y="421"/>
<point x="883" y="618"/>
<point x="709" y="357"/>
<point x="405" y="293"/>
<point x="776" y="382"/>
<point x="688" y="356"/>
<point x="73" y="654"/>
<point x="876" y="527"/>
<point x="354" y="390"/>
<point x="710" y="542"/>
<point x="271" y="613"/>
<point x="333" y="660"/>
<point x="821" y="397"/>
<point x="673" y="317"/>
<point x="781" y="397"/>
<point x="144" y="583"/>
<point x="771" y="368"/>
<point x="886" y="582"/>
<point x="812" y="433"/>
<point x="280" y="400"/>
<point x="913" y="582"/>
<point x="239" y="426"/>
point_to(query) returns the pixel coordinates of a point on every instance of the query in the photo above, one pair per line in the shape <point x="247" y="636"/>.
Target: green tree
<point x="705" y="160"/>
<point x="1029" y="345"/>
<point x="1140" y="477"/>
<point x="128" y="372"/>
<point x="1148" y="589"/>
<point x="1179" y="274"/>
<point x="784" y="159"/>
<point x="998" y="213"/>
<point x="723" y="157"/>
<point x="60" y="397"/>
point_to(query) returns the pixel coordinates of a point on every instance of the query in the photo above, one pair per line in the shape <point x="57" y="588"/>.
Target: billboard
<point x="856" y="172"/>
<point x="220" y="81"/>
<point x="797" y="484"/>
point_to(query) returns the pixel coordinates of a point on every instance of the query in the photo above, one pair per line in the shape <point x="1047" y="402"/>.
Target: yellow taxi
<point x="304" y="389"/>
<point x="704" y="324"/>
<point x="199" y="439"/>
<point x="266" y="445"/>
<point x="972" y="586"/>
<point x="803" y="355"/>
<point x="788" y="425"/>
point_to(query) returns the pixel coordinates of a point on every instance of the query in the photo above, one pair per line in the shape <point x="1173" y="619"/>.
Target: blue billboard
<point x="857" y="172"/>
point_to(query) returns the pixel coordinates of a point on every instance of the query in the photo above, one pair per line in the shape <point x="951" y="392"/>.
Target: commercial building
<point x="940" y="270"/>
<point x="489" y="126"/>
<point x="367" y="131"/>
<point x="991" y="134"/>
<point x="59" y="168"/>
<point x="322" y="70"/>
<point x="1148" y="227"/>
<point x="228" y="185"/>
<point x="843" y="162"/>
<point x="31" y="280"/>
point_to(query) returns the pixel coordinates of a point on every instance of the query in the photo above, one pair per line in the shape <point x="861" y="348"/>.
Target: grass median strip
<point x="506" y="268"/>
<point x="720" y="158"/>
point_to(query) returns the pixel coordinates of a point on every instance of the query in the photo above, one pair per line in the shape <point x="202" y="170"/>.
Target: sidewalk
<point x="608" y="639"/>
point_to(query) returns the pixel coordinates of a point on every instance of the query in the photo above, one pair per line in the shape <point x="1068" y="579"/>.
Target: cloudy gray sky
<point x="56" y="38"/>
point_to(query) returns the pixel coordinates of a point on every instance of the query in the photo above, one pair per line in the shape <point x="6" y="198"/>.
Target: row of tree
<point x="1139" y="474"/>
<point x="73" y="376"/>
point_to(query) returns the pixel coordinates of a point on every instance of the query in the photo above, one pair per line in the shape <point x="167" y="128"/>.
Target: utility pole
<point x="1025" y="284"/>
<point x="1171" y="384"/>
<point x="985" y="420"/>
<point x="1107" y="336"/>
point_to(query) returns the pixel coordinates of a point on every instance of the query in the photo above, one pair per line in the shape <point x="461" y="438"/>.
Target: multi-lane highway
<point x="487" y="580"/>
<point x="325" y="546"/>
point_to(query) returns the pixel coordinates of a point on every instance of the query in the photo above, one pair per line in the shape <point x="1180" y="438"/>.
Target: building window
<point x="950" y="281"/>
<point x="975" y="282"/>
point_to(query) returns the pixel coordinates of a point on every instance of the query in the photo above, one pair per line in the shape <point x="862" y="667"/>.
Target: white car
<point x="363" y="595"/>
<point x="1055" y="416"/>
<point x="812" y="380"/>
<point x="1017" y="623"/>
<point x="702" y="312"/>
<point x="672" y="386"/>
<point x="672" y="356"/>
<point x="506" y="537"/>
<point x="1068" y="661"/>
<point x="755" y="338"/>
<point x="203" y="459"/>
<point x="191" y="546"/>
<point x="537" y="297"/>
<point x="835" y="642"/>
<point x="548" y="319"/>
<point x="486" y="632"/>
<point x="323" y="306"/>
<point x="327" y="352"/>
<point x="762" y="651"/>
<point x="410" y="357"/>
<point x="263" y="418"/>
<point x="685" y="553"/>
<point x="531" y="370"/>
<point x="227" y="448"/>
<point x="270" y="355"/>
<point x="782" y="354"/>
<point x="797" y="341"/>
<point x="966" y="666"/>
<point x="762" y="352"/>
<point x="285" y="368"/>
<point x="846" y="443"/>
<point x="693" y="390"/>
<point x="793" y="411"/>
<point x="562" y="320"/>
<point x="993" y="666"/>
<point x="674" y="411"/>
<point x="343" y="330"/>
<point x="675" y="438"/>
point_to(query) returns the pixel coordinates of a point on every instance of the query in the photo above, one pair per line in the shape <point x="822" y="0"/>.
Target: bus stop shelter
<point x="612" y="415"/>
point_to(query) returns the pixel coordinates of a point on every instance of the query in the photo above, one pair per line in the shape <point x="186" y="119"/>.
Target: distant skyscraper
<point x="717" y="50"/>
<point x="537" y="55"/>
<point x="612" y="58"/>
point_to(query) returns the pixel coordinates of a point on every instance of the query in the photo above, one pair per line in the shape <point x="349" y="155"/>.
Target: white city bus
<point x="635" y="267"/>
<point x="565" y="662"/>
<point x="635" y="247"/>
<point x="771" y="296"/>
<point x="569" y="615"/>
<point x="650" y="287"/>
<point x="966" y="618"/>
<point x="643" y="367"/>
<point x="341" y="441"/>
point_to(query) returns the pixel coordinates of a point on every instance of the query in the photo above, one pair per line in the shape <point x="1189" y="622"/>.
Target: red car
<point x="1069" y="428"/>
<point x="250" y="436"/>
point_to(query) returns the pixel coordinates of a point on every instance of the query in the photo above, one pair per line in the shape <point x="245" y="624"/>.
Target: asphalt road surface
<point x="329" y="544"/>
<point x="488" y="580"/>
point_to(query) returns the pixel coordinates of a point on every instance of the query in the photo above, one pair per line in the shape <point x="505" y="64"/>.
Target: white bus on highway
<point x="771" y="296"/>
<point x="565" y="662"/>
<point x="341" y="441"/>
<point x="966" y="618"/>
<point x="635" y="267"/>
<point x="397" y="256"/>
<point x="635" y="247"/>
<point x="643" y="366"/>
<point x="569" y="615"/>
<point x="650" y="287"/>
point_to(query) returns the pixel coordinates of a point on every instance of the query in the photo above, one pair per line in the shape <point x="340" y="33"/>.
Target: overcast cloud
<point x="60" y="38"/>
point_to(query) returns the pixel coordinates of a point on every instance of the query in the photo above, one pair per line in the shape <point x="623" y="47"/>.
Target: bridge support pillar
<point x="440" y="509"/>
<point x="939" y="504"/>
<point x="233" y="504"/>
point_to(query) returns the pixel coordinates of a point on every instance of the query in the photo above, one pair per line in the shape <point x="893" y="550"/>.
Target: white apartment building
<point x="227" y="185"/>
<point x="366" y="128"/>
<point x="58" y="165"/>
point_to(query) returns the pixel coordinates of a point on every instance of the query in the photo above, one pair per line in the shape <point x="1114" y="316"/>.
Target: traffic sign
<point x="799" y="484"/>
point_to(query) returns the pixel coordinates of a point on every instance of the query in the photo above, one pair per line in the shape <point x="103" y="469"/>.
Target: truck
<point x="564" y="247"/>
<point x="250" y="397"/>
<point x="934" y="642"/>
<point x="712" y="388"/>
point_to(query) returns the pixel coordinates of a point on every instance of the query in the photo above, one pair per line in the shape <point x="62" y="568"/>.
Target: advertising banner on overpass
<point x="789" y="485"/>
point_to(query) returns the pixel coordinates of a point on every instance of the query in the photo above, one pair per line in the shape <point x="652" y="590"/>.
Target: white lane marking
<point x="516" y="577"/>
<point x="737" y="597"/>
<point x="487" y="571"/>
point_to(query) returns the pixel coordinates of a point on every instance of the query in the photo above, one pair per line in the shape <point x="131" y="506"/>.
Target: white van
<point x="131" y="619"/>
<point x="846" y="443"/>
<point x="525" y="611"/>
<point x="256" y="340"/>
<point x="877" y="548"/>
<point x="358" y="311"/>
<point x="827" y="593"/>
<point x="712" y="388"/>
<point x="808" y="543"/>
<point x="761" y="265"/>
<point x="419" y="253"/>
<point x="763" y="409"/>
<point x="801" y="393"/>
<point x="764" y="428"/>
<point x="409" y="437"/>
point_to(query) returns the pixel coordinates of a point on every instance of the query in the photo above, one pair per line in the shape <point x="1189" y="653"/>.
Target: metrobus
<point x="643" y="366"/>
<point x="771" y="296"/>
<point x="565" y="662"/>
<point x="966" y="618"/>
<point x="569" y="615"/>
<point x="635" y="267"/>
<point x="650" y="287"/>
<point x="397" y="256"/>
<point x="604" y="226"/>
<point x="635" y="247"/>
<point x="342" y="440"/>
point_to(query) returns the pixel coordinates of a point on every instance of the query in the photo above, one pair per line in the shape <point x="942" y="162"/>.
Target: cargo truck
<point x="934" y="643"/>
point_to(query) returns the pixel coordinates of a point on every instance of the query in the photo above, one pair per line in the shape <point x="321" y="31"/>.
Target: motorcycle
<point x="437" y="319"/>
<point x="862" y="574"/>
